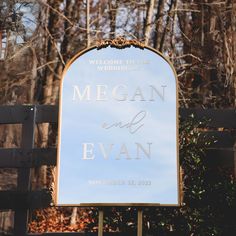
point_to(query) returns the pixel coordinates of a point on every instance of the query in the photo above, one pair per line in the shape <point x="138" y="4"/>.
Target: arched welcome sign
<point x="118" y="129"/>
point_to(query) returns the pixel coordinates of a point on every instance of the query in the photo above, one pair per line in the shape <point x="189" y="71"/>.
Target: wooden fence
<point x="222" y="122"/>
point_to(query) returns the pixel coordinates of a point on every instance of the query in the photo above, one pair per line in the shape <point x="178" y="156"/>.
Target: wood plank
<point x="13" y="114"/>
<point x="219" y="139"/>
<point x="234" y="160"/>
<point x="19" y="113"/>
<point x="21" y="200"/>
<point x="18" y="157"/>
<point x="47" y="114"/>
<point x="218" y="117"/>
<point x="221" y="157"/>
<point x="23" y="178"/>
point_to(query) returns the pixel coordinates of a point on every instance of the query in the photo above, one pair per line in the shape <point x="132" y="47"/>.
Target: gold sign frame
<point x="119" y="43"/>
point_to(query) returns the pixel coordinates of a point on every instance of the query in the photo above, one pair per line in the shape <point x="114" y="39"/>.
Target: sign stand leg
<point x="100" y="222"/>
<point x="140" y="223"/>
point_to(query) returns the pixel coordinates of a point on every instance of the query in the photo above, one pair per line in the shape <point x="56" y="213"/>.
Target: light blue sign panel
<point x="118" y="130"/>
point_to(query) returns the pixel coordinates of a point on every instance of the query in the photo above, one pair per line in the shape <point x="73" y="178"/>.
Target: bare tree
<point x="37" y="38"/>
<point x="148" y="21"/>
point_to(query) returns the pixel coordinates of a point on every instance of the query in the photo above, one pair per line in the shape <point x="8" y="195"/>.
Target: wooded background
<point x="38" y="37"/>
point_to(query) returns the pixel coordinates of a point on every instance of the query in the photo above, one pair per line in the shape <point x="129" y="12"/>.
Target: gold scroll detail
<point x="120" y="43"/>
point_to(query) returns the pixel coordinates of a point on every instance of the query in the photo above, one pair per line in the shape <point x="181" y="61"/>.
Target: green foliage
<point x="209" y="203"/>
<point x="208" y="207"/>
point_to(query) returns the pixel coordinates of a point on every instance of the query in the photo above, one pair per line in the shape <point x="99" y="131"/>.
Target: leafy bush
<point x="209" y="196"/>
<point x="208" y="207"/>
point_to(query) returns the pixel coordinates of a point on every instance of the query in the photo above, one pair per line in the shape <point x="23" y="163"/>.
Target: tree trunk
<point x="170" y="15"/>
<point x="112" y="15"/>
<point x="73" y="218"/>
<point x="88" y="22"/>
<point x="158" y="24"/>
<point x="148" y="25"/>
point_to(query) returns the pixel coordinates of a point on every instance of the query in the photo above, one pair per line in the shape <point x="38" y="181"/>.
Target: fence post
<point x="23" y="177"/>
<point x="100" y="222"/>
<point x="140" y="223"/>
<point x="234" y="148"/>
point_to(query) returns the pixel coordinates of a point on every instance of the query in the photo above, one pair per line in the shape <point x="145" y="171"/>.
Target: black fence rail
<point x="221" y="122"/>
